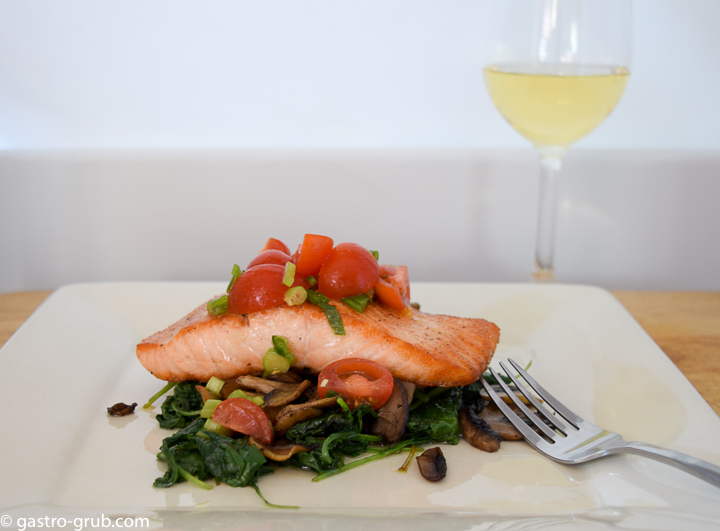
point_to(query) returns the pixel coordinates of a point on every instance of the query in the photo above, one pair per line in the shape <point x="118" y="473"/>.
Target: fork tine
<point x="519" y="424"/>
<point x="550" y="434"/>
<point x="552" y="419"/>
<point x="549" y="399"/>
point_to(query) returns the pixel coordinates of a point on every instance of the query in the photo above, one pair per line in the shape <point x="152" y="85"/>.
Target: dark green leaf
<point x="205" y="454"/>
<point x="437" y="417"/>
<point x="185" y="399"/>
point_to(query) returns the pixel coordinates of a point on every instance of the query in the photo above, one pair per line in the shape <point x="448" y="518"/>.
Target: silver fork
<point x="567" y="438"/>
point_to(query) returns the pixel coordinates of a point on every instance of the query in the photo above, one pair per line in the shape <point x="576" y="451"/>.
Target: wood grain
<point x="685" y="325"/>
<point x="15" y="308"/>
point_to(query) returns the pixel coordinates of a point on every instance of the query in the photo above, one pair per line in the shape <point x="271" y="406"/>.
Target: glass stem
<point x="545" y="242"/>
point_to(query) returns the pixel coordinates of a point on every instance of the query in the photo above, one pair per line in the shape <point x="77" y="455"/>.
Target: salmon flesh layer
<point x="427" y="350"/>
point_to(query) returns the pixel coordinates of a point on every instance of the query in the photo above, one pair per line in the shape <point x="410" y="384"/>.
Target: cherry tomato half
<point x="311" y="254"/>
<point x="348" y="270"/>
<point x="358" y="381"/>
<point x="260" y="288"/>
<point x="272" y="243"/>
<point x="271" y="256"/>
<point x="244" y="416"/>
<point x="393" y="288"/>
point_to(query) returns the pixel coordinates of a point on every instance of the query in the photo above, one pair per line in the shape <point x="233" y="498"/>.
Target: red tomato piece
<point x="311" y="254"/>
<point x="272" y="243"/>
<point x="393" y="288"/>
<point x="358" y="381"/>
<point x="348" y="270"/>
<point x="244" y="416"/>
<point x="271" y="256"/>
<point x="260" y="288"/>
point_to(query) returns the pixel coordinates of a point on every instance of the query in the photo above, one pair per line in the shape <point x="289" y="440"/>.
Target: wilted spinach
<point x="206" y="454"/>
<point x="330" y="438"/>
<point x="437" y="415"/>
<point x="181" y="408"/>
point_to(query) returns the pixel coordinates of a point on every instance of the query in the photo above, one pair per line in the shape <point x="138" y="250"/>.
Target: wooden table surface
<point x="686" y="326"/>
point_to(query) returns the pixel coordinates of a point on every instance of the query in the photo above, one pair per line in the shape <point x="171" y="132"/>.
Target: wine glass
<point x="557" y="68"/>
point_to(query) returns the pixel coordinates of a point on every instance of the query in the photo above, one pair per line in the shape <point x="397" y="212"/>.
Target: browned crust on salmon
<point x="427" y="349"/>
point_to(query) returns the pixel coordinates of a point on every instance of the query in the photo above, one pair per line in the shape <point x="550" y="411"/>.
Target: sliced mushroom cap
<point x="261" y="385"/>
<point x="477" y="432"/>
<point x="233" y="385"/>
<point x="409" y="389"/>
<point x="286" y="394"/>
<point x="392" y="417"/>
<point x="274" y="393"/>
<point x="286" y="377"/>
<point x="499" y="423"/>
<point x="499" y="390"/>
<point x="122" y="409"/>
<point x="293" y="414"/>
<point x="278" y="451"/>
<point x="432" y="464"/>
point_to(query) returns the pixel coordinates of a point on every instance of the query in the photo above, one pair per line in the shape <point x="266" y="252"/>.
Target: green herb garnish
<point x="358" y="302"/>
<point x="236" y="272"/>
<point x="278" y="358"/>
<point x="289" y="274"/>
<point x="218" y="306"/>
<point x="332" y="313"/>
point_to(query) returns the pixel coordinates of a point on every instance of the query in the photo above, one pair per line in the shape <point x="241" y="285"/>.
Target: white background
<point x="169" y="139"/>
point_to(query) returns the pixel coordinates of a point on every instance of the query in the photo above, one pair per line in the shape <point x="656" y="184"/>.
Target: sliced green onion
<point x="340" y="402"/>
<point x="239" y="393"/>
<point x="192" y="479"/>
<point x="219" y="306"/>
<point x="214" y="385"/>
<point x="333" y="317"/>
<point x="315" y="297"/>
<point x="209" y="408"/>
<point x="273" y="362"/>
<point x="311" y="280"/>
<point x="211" y="425"/>
<point x="376" y="255"/>
<point x="282" y="347"/>
<point x="358" y="302"/>
<point x="161" y="392"/>
<point x="236" y="272"/>
<point x="295" y="296"/>
<point x="258" y="401"/>
<point x="332" y="313"/>
<point x="289" y="274"/>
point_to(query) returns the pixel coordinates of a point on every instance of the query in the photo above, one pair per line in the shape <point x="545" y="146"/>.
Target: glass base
<point x="541" y="275"/>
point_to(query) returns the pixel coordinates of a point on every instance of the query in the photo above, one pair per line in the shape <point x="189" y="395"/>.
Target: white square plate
<point x="62" y="456"/>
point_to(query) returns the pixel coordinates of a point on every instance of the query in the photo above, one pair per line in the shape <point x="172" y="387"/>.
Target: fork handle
<point x="692" y="465"/>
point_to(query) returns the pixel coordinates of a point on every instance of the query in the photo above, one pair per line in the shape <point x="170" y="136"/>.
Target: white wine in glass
<point x="558" y="68"/>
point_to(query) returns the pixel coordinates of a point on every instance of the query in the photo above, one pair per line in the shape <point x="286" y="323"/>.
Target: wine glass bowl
<point x="557" y="69"/>
<point x="555" y="106"/>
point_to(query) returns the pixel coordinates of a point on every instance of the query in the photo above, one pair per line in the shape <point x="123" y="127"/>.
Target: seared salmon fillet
<point x="427" y="350"/>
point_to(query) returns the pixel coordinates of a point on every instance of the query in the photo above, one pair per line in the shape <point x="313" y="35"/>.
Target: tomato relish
<point x="318" y="270"/>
